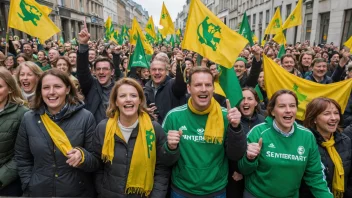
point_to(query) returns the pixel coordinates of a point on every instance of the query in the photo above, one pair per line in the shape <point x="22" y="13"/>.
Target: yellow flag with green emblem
<point x="275" y="24"/>
<point x="207" y="35"/>
<point x="149" y="28"/>
<point x="277" y="78"/>
<point x="32" y="18"/>
<point x="280" y="38"/>
<point x="295" y="17"/>
<point x="134" y="37"/>
<point x="348" y="44"/>
<point x="166" y="22"/>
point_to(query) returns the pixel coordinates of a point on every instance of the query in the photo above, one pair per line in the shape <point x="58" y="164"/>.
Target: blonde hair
<point x="112" y="108"/>
<point x="15" y="95"/>
<point x="32" y="66"/>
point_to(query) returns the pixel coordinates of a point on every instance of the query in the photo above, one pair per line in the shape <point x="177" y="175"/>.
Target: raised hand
<point x="253" y="149"/>
<point x="257" y="52"/>
<point x="84" y="36"/>
<point x="233" y="115"/>
<point x="173" y="138"/>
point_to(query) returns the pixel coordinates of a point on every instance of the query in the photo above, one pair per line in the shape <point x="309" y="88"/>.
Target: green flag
<point x="230" y="85"/>
<point x="245" y="29"/>
<point x="282" y="51"/>
<point x="150" y="39"/>
<point x="159" y="37"/>
<point x="62" y="40"/>
<point x="138" y="58"/>
<point x="172" y="41"/>
<point x="259" y="93"/>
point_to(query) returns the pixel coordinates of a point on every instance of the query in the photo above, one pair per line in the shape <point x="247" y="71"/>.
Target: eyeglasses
<point x="157" y="69"/>
<point x="104" y="69"/>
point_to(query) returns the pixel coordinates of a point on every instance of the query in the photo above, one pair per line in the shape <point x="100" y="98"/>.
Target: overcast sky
<point x="154" y="8"/>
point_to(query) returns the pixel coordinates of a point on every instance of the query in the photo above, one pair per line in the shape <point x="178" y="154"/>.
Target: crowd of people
<point x="75" y="121"/>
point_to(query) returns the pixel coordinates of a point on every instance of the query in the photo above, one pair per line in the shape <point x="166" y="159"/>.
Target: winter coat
<point x="236" y="188"/>
<point x="251" y="80"/>
<point x="42" y="166"/>
<point x="170" y="94"/>
<point x="347" y="115"/>
<point x="10" y="120"/>
<point x="343" y="146"/>
<point x="112" y="177"/>
<point x="90" y="86"/>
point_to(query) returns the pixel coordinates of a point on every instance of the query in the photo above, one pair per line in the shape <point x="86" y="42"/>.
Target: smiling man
<point x="202" y="136"/>
<point x="166" y="93"/>
<point x="96" y="90"/>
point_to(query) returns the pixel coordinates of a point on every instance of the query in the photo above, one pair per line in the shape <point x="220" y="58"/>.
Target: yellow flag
<point x="295" y="17"/>
<point x="277" y="78"/>
<point x="134" y="36"/>
<point x="275" y="24"/>
<point x="32" y="18"/>
<point x="348" y="44"/>
<point x="166" y="22"/>
<point x="149" y="28"/>
<point x="255" y="38"/>
<point x="210" y="37"/>
<point x="178" y="32"/>
<point x="280" y="38"/>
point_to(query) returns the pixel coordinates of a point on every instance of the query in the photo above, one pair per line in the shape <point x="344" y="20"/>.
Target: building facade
<point x="110" y="10"/>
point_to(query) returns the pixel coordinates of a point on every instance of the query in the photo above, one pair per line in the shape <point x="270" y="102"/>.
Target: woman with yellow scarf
<point x="323" y="117"/>
<point x="129" y="145"/>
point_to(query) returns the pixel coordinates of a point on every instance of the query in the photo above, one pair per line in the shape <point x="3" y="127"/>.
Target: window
<point x="324" y="27"/>
<point x="267" y="17"/>
<point x="260" y="17"/>
<point x="81" y="5"/>
<point x="347" y="27"/>
<point x="288" y="10"/>
<point x="254" y="18"/>
<point x="249" y="20"/>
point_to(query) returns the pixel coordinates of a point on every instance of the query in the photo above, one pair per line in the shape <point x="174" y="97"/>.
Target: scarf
<point x="140" y="178"/>
<point x="57" y="134"/>
<point x="338" y="180"/>
<point x="214" y="128"/>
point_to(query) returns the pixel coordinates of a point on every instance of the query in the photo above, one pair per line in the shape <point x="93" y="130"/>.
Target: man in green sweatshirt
<point x="201" y="137"/>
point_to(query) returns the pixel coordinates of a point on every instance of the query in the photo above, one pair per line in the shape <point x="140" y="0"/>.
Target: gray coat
<point x="41" y="165"/>
<point x="112" y="178"/>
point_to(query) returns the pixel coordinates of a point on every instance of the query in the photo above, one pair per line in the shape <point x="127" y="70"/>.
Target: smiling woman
<point x="323" y="117"/>
<point x="52" y="147"/>
<point x="278" y="146"/>
<point x="27" y="78"/>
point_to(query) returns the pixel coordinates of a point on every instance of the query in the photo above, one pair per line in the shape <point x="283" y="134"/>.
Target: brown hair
<point x="23" y="55"/>
<point x="32" y="66"/>
<point x="15" y="95"/>
<point x="288" y="56"/>
<point x="272" y="101"/>
<point x="72" y="97"/>
<point x="318" y="60"/>
<point x="103" y="59"/>
<point x="112" y="108"/>
<point x="65" y="58"/>
<point x="316" y="107"/>
<point x="256" y="97"/>
<point x="71" y="52"/>
<point x="305" y="53"/>
<point x="195" y="70"/>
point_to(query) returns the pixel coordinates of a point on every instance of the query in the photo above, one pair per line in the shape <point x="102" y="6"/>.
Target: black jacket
<point x="10" y="120"/>
<point x="251" y="80"/>
<point x="236" y="188"/>
<point x="41" y="165"/>
<point x="343" y="146"/>
<point x="171" y="93"/>
<point x="347" y="115"/>
<point x="111" y="179"/>
<point x="90" y="86"/>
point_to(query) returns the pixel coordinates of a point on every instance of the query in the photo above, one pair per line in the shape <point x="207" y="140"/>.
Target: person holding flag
<point x="201" y="137"/>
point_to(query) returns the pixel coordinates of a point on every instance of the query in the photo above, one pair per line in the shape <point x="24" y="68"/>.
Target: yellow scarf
<point x="141" y="173"/>
<point x="338" y="181"/>
<point x="214" y="128"/>
<point x="57" y="135"/>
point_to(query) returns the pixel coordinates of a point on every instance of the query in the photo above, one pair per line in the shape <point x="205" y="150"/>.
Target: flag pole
<point x="7" y="39"/>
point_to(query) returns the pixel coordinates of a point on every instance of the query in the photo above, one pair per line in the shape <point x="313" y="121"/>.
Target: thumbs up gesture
<point x="253" y="149"/>
<point x="233" y="115"/>
<point x="173" y="138"/>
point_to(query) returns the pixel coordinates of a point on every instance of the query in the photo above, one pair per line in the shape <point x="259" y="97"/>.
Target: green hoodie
<point x="202" y="167"/>
<point x="283" y="162"/>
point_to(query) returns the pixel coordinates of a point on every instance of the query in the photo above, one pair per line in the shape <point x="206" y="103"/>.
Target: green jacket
<point x="10" y="120"/>
<point x="283" y="162"/>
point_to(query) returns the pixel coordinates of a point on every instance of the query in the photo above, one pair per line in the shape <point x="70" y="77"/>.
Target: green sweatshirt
<point x="202" y="167"/>
<point x="283" y="162"/>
